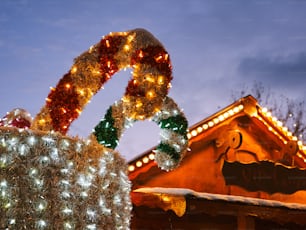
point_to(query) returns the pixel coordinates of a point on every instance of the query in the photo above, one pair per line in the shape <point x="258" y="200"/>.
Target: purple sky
<point x="216" y="47"/>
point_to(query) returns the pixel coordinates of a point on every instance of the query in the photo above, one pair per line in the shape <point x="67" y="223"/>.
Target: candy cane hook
<point x="150" y="82"/>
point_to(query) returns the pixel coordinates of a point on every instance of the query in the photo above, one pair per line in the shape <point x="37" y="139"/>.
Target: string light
<point x="230" y="112"/>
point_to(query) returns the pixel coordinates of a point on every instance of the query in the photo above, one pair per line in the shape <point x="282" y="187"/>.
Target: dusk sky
<point x="216" y="47"/>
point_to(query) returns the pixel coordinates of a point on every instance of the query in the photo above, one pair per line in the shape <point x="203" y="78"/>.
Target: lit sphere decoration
<point x="52" y="181"/>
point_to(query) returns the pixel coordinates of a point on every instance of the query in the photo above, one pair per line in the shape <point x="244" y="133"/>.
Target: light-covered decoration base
<point x="50" y="181"/>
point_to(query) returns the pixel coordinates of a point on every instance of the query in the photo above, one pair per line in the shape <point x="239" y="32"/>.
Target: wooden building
<point x="244" y="170"/>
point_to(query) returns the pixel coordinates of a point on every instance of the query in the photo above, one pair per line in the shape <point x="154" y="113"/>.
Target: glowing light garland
<point x="51" y="181"/>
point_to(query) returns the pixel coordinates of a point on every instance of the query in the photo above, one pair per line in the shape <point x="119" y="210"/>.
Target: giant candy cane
<point x="145" y="96"/>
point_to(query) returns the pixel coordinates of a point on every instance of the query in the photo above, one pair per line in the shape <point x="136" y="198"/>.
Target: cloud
<point x="287" y="71"/>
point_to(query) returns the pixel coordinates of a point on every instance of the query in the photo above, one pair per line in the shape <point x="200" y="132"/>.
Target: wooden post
<point x="245" y="222"/>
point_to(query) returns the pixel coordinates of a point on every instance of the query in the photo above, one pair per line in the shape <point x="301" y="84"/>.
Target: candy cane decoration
<point x="145" y="93"/>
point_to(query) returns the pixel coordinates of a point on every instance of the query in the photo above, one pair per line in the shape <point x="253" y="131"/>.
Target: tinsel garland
<point x="173" y="133"/>
<point x="18" y="117"/>
<point x="150" y="82"/>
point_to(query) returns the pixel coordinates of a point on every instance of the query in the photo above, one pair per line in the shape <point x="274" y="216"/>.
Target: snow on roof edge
<point x="230" y="198"/>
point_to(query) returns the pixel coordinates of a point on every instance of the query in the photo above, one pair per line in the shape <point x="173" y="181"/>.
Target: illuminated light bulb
<point x="3" y="184"/>
<point x="140" y="54"/>
<point x="226" y="115"/>
<point x="41" y="223"/>
<point x="158" y="58"/>
<point x="240" y="107"/>
<point x="107" y="43"/>
<point x="150" y="79"/>
<point x="160" y="80"/>
<point x="38" y="182"/>
<point x="48" y="99"/>
<point x="289" y="134"/>
<point x="221" y="117"/>
<point x="91" y="49"/>
<point x="31" y="140"/>
<point x="294" y="138"/>
<point x="42" y="121"/>
<point x="91" y="213"/>
<point x="78" y="111"/>
<point x="139" y="104"/>
<point x="279" y="123"/>
<point x="92" y="169"/>
<point x="166" y="199"/>
<point x="67" y="211"/>
<point x="264" y="110"/>
<point x="175" y="112"/>
<point x="130" y="38"/>
<point x="107" y="75"/>
<point x="151" y="156"/>
<point x="7" y="205"/>
<point x="300" y="143"/>
<point x="84" y="181"/>
<point x="91" y="227"/>
<point x="270" y="128"/>
<point x="231" y="112"/>
<point x="52" y="89"/>
<point x="126" y="47"/>
<point x="166" y="57"/>
<point x="68" y="225"/>
<point x="131" y="168"/>
<point x="188" y="135"/>
<point x="3" y="194"/>
<point x="41" y="206"/>
<point x="74" y="69"/>
<point x="216" y="120"/>
<point x="285" y="129"/>
<point x="274" y="119"/>
<point x="64" y="127"/>
<point x="194" y="133"/>
<point x="236" y="109"/>
<point x="3" y="161"/>
<point x="299" y="155"/>
<point x="145" y="160"/>
<point x="150" y="94"/>
<point x="108" y="64"/>
<point x="23" y="149"/>
<point x="12" y="221"/>
<point x="96" y="72"/>
<point x="81" y="92"/>
<point x="67" y="86"/>
<point x="138" y="164"/>
<point x="205" y="126"/>
<point x="63" y="110"/>
<point x="65" y="182"/>
<point x="199" y="129"/>
<point x="210" y="124"/>
<point x="268" y="114"/>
